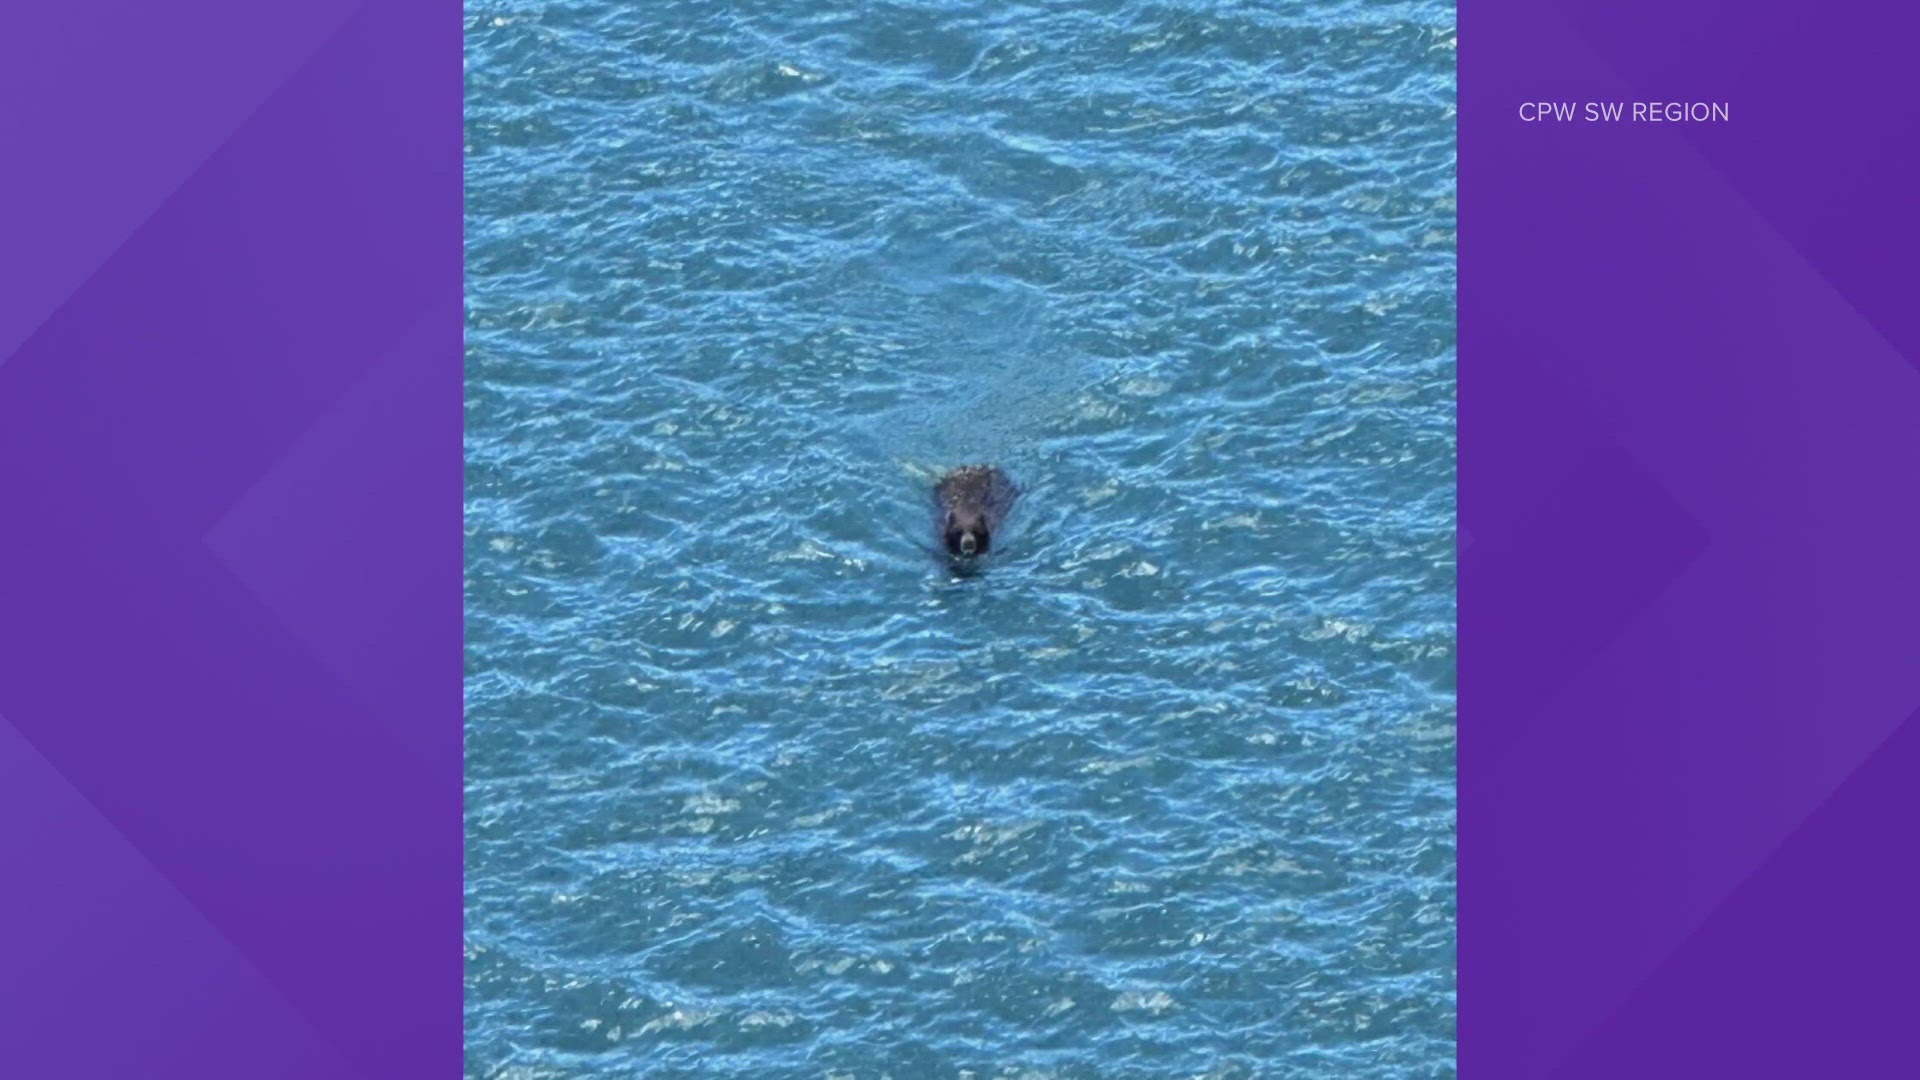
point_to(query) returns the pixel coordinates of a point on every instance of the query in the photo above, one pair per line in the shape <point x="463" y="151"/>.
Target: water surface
<point x="756" y="788"/>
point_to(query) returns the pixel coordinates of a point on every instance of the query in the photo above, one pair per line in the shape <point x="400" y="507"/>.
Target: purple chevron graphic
<point x="1685" y="739"/>
<point x="111" y="107"/>
<point x="229" y="445"/>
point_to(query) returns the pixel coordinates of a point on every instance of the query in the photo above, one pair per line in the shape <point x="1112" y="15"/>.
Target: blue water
<point x="756" y="787"/>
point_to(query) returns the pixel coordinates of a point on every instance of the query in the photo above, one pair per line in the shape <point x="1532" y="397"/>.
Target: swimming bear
<point x="969" y="504"/>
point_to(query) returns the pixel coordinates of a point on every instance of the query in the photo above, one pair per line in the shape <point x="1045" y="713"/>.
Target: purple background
<point x="229" y="567"/>
<point x="230" y="563"/>
<point x="1690" y="572"/>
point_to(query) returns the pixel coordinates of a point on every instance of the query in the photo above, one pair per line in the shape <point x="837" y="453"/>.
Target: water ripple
<point x="755" y="787"/>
